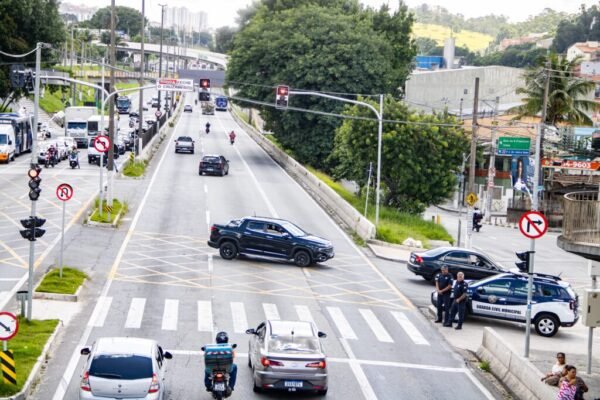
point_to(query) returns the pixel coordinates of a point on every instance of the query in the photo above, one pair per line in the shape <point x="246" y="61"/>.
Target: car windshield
<point x="234" y="223"/>
<point x="77" y="125"/>
<point x="3" y="139"/>
<point x="121" y="366"/>
<point x="293" y="229"/>
<point x="211" y="159"/>
<point x="291" y="344"/>
<point x="184" y="139"/>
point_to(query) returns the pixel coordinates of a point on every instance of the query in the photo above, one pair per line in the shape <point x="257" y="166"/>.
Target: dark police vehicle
<point x="504" y="296"/>
<point x="269" y="237"/>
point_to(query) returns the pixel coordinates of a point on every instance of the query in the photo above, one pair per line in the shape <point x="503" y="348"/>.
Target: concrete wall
<point x="325" y="196"/>
<point x="515" y="371"/>
<point x="437" y="89"/>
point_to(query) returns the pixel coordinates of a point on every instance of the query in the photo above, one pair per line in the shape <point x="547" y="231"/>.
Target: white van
<point x="7" y="143"/>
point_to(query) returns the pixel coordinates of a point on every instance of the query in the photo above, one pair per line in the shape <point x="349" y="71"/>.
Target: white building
<point x="81" y="11"/>
<point x="180" y="18"/>
<point x="587" y="50"/>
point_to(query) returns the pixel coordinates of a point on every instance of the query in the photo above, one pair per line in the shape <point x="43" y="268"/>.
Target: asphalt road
<point x="166" y="284"/>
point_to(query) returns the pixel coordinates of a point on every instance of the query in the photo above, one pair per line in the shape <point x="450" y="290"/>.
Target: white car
<point x="124" y="367"/>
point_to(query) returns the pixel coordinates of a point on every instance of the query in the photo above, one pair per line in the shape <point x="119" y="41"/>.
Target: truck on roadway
<point x="76" y="123"/>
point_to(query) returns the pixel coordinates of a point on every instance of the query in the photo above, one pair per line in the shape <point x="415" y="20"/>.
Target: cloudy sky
<point x="224" y="12"/>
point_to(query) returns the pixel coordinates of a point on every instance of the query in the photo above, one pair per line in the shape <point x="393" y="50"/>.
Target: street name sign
<point x="9" y="326"/>
<point x="64" y="192"/>
<point x="513" y="146"/>
<point x="533" y="224"/>
<point x="175" y="85"/>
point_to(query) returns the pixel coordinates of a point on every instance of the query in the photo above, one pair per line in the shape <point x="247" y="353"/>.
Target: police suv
<point x="504" y="296"/>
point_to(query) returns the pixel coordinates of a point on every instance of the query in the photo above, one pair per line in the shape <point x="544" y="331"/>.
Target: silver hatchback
<point x="287" y="355"/>
<point x="124" y="368"/>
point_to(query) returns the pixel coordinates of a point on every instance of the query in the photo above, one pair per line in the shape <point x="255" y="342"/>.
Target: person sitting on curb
<point x="552" y="377"/>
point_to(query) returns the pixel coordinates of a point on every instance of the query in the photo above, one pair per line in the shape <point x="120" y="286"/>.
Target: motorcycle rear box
<point x="218" y="356"/>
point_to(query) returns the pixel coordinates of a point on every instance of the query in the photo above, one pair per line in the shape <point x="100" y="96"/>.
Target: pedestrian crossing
<point x="385" y="326"/>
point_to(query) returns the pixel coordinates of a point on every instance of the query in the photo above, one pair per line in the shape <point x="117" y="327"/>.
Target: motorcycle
<point x="477" y="218"/>
<point x="50" y="160"/>
<point x="196" y="102"/>
<point x="232" y="141"/>
<point x="218" y="360"/>
<point x="207" y="129"/>
<point x="73" y="160"/>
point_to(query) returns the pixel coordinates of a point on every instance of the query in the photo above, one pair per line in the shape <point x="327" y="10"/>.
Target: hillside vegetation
<point x="474" y="41"/>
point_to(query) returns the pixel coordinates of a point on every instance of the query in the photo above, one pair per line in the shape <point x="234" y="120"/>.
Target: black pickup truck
<point x="269" y="237"/>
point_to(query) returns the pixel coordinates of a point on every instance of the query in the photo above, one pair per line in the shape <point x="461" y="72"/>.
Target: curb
<point x="59" y="296"/>
<point x="112" y="225"/>
<point x="385" y="257"/>
<point x="35" y="371"/>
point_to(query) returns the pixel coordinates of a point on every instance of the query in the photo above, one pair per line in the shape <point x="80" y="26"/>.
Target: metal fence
<point x="581" y="222"/>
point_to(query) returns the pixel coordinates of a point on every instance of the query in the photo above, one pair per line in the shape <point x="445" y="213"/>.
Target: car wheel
<point x="192" y="151"/>
<point x="228" y="250"/>
<point x="249" y="362"/>
<point x="322" y="392"/>
<point x="302" y="258"/>
<point x="546" y="325"/>
<point x="176" y="151"/>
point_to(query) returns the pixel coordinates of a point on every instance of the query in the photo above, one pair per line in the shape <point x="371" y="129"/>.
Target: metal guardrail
<point x="581" y="221"/>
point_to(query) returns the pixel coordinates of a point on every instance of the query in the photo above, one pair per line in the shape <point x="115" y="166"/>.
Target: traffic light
<point x="525" y="263"/>
<point x="204" y="96"/>
<point x="34" y="182"/>
<point x="205" y="83"/>
<point x="282" y="96"/>
<point x="29" y="82"/>
<point x="32" y="228"/>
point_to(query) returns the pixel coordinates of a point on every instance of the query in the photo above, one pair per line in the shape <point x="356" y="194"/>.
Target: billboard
<point x="175" y="85"/>
<point x="522" y="173"/>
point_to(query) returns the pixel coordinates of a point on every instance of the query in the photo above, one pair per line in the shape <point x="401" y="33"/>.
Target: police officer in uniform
<point x="443" y="285"/>
<point x="459" y="293"/>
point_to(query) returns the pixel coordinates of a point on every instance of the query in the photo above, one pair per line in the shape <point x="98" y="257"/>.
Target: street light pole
<point x="492" y="166"/>
<point x="111" y="109"/>
<point x="141" y="110"/>
<point x="162" y="21"/>
<point x="379" y="139"/>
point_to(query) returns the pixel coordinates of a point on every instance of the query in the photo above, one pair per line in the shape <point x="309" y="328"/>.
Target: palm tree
<point x="567" y="93"/>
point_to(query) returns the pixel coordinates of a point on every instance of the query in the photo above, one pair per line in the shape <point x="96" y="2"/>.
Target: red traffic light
<point x="205" y="83"/>
<point x="283" y="90"/>
<point x="34" y="172"/>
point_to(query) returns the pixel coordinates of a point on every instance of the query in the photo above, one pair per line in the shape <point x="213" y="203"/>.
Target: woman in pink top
<point x="568" y="384"/>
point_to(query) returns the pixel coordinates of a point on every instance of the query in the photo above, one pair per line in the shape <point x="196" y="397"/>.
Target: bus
<point x="221" y="103"/>
<point x="16" y="134"/>
<point x="123" y="104"/>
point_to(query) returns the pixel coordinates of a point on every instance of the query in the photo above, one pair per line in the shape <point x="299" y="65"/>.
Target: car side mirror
<point x="193" y="141"/>
<point x="167" y="355"/>
<point x="85" y="351"/>
<point x="285" y="235"/>
<point x="10" y="142"/>
<point x="322" y="335"/>
<point x="250" y="331"/>
<point x="480" y="290"/>
<point x="233" y="346"/>
<point x="203" y="348"/>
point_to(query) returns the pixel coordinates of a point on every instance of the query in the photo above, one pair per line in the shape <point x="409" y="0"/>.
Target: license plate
<point x="219" y="387"/>
<point x="209" y="169"/>
<point x="293" y="384"/>
<point x="412" y="258"/>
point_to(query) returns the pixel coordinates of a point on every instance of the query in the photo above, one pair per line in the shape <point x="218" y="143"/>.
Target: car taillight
<point x="573" y="304"/>
<point x="317" y="364"/>
<point x="270" y="363"/>
<point x="419" y="259"/>
<point x="85" y="382"/>
<point x="201" y="163"/>
<point x="154" y="385"/>
<point x="214" y="229"/>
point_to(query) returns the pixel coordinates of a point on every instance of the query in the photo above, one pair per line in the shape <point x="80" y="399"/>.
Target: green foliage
<point x="224" y="39"/>
<point x="27" y="347"/>
<point x="419" y="160"/>
<point x="581" y="28"/>
<point x="108" y="216"/>
<point x="128" y="20"/>
<point x="485" y="366"/>
<point x="313" y="47"/>
<point x="135" y="169"/>
<point x="203" y="39"/>
<point x="71" y="280"/>
<point x="567" y="101"/>
<point x="474" y="41"/>
<point x="520" y="56"/>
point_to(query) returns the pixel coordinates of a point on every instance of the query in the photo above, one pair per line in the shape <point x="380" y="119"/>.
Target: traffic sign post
<point x="102" y="144"/>
<point x="9" y="326"/>
<point x="533" y="224"/>
<point x="64" y="192"/>
<point x="157" y="114"/>
<point x="471" y="200"/>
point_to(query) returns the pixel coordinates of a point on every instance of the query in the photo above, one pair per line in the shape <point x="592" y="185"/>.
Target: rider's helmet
<point x="222" y="338"/>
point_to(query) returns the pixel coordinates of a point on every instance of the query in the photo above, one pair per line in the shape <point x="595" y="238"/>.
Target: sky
<point x="224" y="12"/>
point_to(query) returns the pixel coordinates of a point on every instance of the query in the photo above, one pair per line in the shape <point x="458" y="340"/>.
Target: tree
<point x="519" y="56"/>
<point x="427" y="46"/>
<point x="129" y="20"/>
<point x="420" y="158"/>
<point x="224" y="39"/>
<point x="333" y="48"/>
<point x="567" y="102"/>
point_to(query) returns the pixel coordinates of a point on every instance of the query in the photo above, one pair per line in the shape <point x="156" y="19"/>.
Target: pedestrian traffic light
<point x="525" y="263"/>
<point x="32" y="228"/>
<point x="34" y="182"/>
<point x="29" y="84"/>
<point x="205" y="83"/>
<point x="282" y="96"/>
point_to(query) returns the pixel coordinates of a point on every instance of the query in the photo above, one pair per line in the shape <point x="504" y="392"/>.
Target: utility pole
<point x="473" y="156"/>
<point x="111" y="108"/>
<point x="162" y="20"/>
<point x="141" y="110"/>
<point x="73" y="87"/>
<point x="492" y="166"/>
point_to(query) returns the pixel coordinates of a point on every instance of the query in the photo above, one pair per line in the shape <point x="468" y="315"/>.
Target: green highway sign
<point x="515" y="146"/>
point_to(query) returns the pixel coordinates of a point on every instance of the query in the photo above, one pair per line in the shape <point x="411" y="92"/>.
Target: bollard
<point x="438" y="219"/>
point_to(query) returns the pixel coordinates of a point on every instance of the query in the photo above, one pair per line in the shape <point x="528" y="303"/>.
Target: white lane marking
<point x="102" y="311"/>
<point x="306" y="272"/>
<point x="210" y="263"/>
<point x="76" y="356"/>
<point x="376" y="326"/>
<point x="266" y="199"/>
<point x="205" y="317"/>
<point x="359" y="374"/>
<point x="304" y="314"/>
<point x="342" y="324"/>
<point x="136" y="312"/>
<point x="205" y="188"/>
<point x="271" y="311"/>
<point x="8" y="280"/>
<point x="409" y="328"/>
<point x="170" y="315"/>
<point x="238" y="313"/>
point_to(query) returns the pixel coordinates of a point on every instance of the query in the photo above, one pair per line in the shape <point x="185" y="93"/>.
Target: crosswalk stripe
<point x="410" y="329"/>
<point x="304" y="314"/>
<point x="205" y="317"/>
<point x="271" y="311"/>
<point x="376" y="326"/>
<point x="341" y="322"/>
<point x="170" y="315"/>
<point x="240" y="323"/>
<point x="136" y="312"/>
<point x="103" y="309"/>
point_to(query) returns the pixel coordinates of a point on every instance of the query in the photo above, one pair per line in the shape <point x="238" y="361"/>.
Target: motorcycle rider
<point x="74" y="156"/>
<point x="52" y="154"/>
<point x="232" y="137"/>
<point x="477" y="217"/>
<point x="207" y="127"/>
<point x="222" y="338"/>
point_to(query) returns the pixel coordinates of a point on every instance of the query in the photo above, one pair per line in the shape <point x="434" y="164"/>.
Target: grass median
<point x="109" y="213"/>
<point x="71" y="280"/>
<point x="135" y="169"/>
<point x="27" y="347"/>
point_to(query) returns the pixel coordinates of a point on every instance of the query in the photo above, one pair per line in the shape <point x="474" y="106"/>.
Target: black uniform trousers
<point x="457" y="308"/>
<point x="443" y="306"/>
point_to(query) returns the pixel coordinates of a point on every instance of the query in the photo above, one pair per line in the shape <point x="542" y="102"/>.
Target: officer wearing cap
<point x="443" y="286"/>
